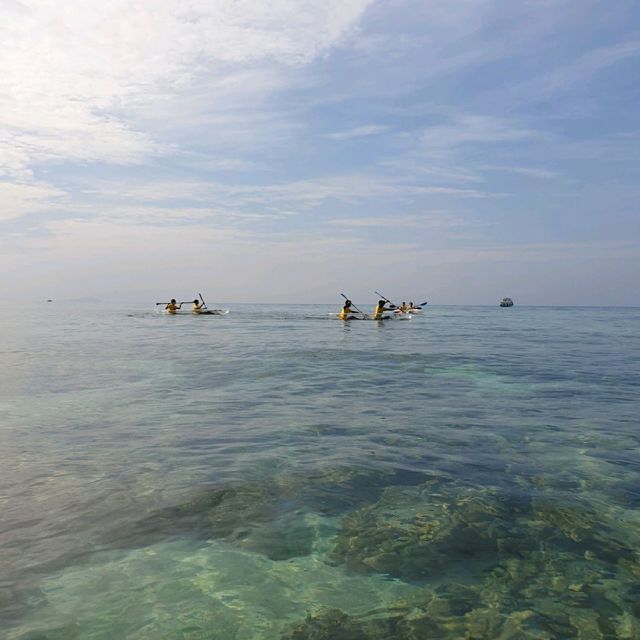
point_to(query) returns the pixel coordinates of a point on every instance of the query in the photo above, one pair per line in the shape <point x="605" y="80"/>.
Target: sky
<point x="456" y="151"/>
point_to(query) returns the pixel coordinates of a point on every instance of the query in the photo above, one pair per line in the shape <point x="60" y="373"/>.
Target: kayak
<point x="205" y="312"/>
<point x="404" y="316"/>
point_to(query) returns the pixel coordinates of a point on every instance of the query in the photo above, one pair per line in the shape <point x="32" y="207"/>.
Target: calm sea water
<point x="276" y="474"/>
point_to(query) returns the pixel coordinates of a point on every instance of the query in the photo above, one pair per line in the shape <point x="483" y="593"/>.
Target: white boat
<point x="506" y="302"/>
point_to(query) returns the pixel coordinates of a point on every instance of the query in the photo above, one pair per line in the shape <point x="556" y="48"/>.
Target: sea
<point x="276" y="473"/>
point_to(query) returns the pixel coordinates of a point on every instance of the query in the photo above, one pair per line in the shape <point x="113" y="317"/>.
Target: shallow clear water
<point x="470" y="473"/>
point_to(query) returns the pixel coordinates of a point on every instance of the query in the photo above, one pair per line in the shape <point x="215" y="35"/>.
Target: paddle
<point x="204" y="304"/>
<point x="385" y="299"/>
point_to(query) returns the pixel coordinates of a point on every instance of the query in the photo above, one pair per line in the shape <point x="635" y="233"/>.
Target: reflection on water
<point x="468" y="474"/>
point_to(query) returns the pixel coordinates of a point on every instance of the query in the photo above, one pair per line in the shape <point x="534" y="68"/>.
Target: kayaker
<point x="197" y="306"/>
<point x="173" y="306"/>
<point x="346" y="311"/>
<point x="380" y="309"/>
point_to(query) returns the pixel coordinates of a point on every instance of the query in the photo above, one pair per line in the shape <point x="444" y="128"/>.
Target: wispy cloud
<point x="472" y="129"/>
<point x="271" y="200"/>
<point x="20" y="198"/>
<point x="575" y="73"/>
<point x="429" y="220"/>
<point x="530" y="172"/>
<point x="563" y="252"/>
<point x="70" y="77"/>
<point x="357" y="132"/>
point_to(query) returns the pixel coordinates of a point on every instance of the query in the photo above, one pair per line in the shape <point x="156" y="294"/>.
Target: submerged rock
<point x="424" y="623"/>
<point x="251" y="517"/>
<point x="414" y="533"/>
<point x="268" y="518"/>
<point x="496" y="608"/>
<point x="333" y="624"/>
<point x="574" y="521"/>
<point x="539" y="569"/>
<point x="585" y="530"/>
<point x="328" y="624"/>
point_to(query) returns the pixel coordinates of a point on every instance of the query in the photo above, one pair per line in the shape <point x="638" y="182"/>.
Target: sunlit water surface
<point x="276" y="474"/>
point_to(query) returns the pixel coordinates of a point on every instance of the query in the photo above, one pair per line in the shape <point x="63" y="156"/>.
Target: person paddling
<point x="197" y="306"/>
<point x="380" y="309"/>
<point x="346" y="313"/>
<point x="173" y="306"/>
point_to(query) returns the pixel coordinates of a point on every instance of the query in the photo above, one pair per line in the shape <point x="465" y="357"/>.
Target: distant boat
<point x="506" y="302"/>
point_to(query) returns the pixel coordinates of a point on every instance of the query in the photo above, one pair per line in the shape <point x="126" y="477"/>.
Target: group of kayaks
<point x="384" y="309"/>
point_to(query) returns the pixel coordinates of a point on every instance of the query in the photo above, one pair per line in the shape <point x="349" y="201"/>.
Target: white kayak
<point x="404" y="316"/>
<point x="204" y="312"/>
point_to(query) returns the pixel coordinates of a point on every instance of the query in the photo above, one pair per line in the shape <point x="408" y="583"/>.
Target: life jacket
<point x="378" y="311"/>
<point x="345" y="313"/>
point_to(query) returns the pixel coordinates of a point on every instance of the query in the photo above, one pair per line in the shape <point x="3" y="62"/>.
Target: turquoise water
<point x="471" y="473"/>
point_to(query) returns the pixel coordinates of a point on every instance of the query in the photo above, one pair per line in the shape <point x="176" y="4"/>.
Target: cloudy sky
<point x="451" y="150"/>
